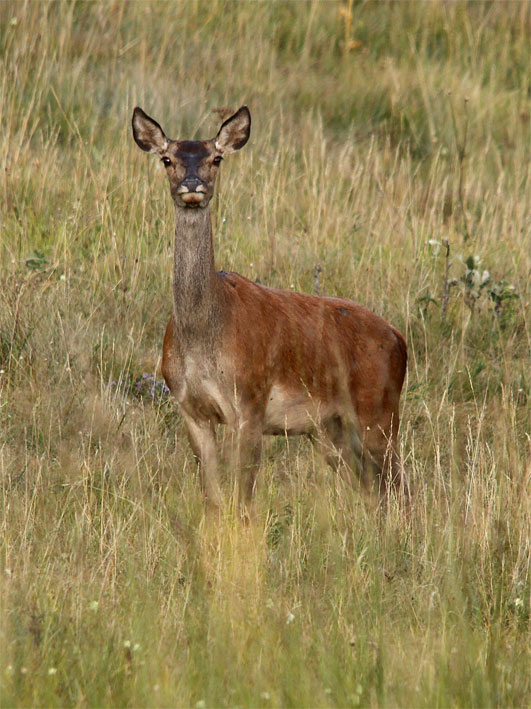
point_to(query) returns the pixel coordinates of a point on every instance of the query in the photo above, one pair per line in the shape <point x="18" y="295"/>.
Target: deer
<point x="263" y="361"/>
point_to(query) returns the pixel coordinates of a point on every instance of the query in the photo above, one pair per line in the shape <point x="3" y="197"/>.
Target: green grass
<point x="114" y="588"/>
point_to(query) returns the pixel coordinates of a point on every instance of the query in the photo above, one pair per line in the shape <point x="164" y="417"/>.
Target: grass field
<point x="391" y="149"/>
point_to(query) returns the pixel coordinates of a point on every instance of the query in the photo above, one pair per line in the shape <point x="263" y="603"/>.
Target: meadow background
<point x="389" y="162"/>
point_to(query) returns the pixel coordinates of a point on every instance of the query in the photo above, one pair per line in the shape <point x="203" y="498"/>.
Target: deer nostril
<point x="191" y="184"/>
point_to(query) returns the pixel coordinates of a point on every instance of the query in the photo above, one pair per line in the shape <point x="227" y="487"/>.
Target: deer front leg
<point x="202" y="437"/>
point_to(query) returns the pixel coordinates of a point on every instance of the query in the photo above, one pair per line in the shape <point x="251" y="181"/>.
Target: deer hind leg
<point x="380" y="460"/>
<point x="342" y="447"/>
<point x="202" y="437"/>
<point x="247" y="448"/>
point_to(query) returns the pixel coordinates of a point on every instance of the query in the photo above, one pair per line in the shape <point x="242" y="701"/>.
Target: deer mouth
<point x="192" y="199"/>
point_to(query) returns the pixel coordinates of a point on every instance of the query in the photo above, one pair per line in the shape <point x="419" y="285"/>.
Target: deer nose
<point x="191" y="184"/>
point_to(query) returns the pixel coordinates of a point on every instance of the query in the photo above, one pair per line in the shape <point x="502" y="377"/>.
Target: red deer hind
<point x="262" y="360"/>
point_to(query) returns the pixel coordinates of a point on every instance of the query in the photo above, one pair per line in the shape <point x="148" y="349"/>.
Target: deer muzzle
<point x="192" y="191"/>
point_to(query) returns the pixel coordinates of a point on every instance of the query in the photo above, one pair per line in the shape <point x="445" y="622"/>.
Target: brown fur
<point x="267" y="361"/>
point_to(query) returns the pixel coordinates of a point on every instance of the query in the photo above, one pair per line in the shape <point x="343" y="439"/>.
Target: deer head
<point x="192" y="165"/>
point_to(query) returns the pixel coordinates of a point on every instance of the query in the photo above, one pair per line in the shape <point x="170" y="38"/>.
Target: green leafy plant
<point x="37" y="262"/>
<point x="475" y="285"/>
<point x="476" y="282"/>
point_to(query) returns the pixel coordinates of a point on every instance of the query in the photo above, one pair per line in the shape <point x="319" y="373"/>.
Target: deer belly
<point x="290" y="412"/>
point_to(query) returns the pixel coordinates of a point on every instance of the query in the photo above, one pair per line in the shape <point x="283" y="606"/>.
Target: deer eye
<point x="217" y="159"/>
<point x="166" y="161"/>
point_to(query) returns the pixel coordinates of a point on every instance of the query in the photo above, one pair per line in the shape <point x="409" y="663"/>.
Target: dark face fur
<point x="192" y="165"/>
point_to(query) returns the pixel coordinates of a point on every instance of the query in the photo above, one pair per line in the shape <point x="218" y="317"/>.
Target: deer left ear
<point x="234" y="132"/>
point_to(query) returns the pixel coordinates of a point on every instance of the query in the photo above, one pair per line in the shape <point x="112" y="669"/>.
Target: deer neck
<point x="196" y="295"/>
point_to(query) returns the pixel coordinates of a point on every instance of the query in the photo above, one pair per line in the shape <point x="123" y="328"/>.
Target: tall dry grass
<point x="390" y="147"/>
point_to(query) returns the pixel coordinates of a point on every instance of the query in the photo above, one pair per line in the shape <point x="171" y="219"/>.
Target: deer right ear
<point x="147" y="133"/>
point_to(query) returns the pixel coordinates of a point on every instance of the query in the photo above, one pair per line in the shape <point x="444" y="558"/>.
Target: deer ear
<point x="234" y="132"/>
<point x="147" y="133"/>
